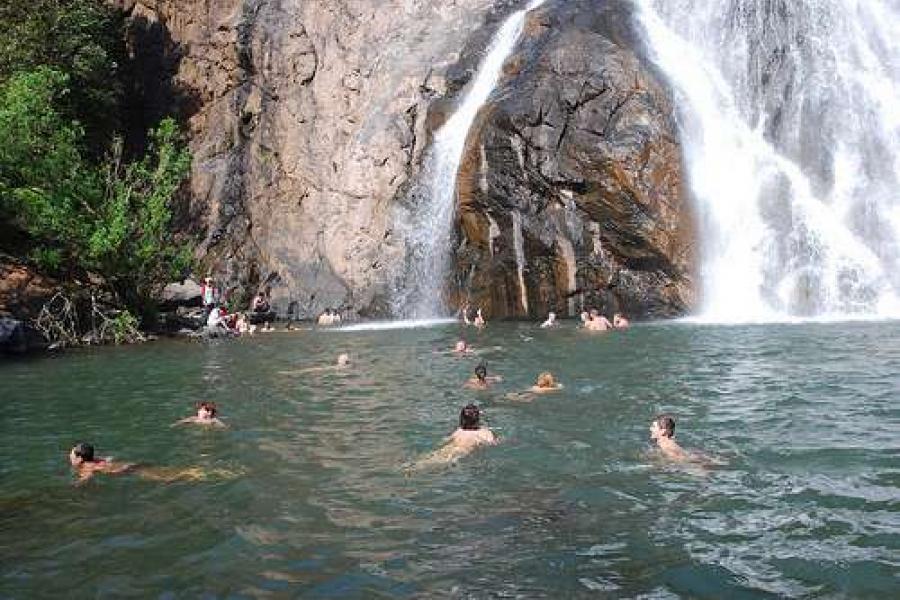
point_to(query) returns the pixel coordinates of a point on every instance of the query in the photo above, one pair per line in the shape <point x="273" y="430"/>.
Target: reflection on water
<point x="304" y="493"/>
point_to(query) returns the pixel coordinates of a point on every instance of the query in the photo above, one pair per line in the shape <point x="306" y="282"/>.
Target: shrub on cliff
<point x="110" y="216"/>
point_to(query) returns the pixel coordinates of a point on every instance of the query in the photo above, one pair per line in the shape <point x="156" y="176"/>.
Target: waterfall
<point x="789" y="112"/>
<point x="428" y="232"/>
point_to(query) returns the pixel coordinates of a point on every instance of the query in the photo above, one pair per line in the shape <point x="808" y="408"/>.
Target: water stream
<point x="428" y="231"/>
<point x="790" y="117"/>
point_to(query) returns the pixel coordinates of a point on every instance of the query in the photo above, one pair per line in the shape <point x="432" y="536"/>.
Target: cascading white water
<point x="790" y="118"/>
<point x="428" y="231"/>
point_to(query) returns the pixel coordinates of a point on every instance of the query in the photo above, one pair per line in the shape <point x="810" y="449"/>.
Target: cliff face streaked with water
<point x="308" y="120"/>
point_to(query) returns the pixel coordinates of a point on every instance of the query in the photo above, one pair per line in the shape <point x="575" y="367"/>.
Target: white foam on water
<point x="388" y="325"/>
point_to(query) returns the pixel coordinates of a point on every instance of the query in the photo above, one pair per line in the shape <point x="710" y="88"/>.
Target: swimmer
<point x="597" y="322"/>
<point x="550" y="322"/>
<point x="479" y="321"/>
<point x="481" y="380"/>
<point x="343" y="362"/>
<point x="662" y="431"/>
<point x="206" y="415"/>
<point x="461" y="348"/>
<point x="620" y="322"/>
<point x="546" y="383"/>
<point x="585" y="318"/>
<point x="85" y="464"/>
<point x="82" y="459"/>
<point x="467" y="437"/>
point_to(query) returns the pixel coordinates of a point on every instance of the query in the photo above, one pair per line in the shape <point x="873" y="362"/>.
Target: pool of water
<point x="307" y="495"/>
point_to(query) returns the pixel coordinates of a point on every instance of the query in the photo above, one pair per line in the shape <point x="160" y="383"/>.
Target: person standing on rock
<point x="210" y="295"/>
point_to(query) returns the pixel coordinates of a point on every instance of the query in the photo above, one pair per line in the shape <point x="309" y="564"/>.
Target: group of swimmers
<point x="470" y="433"/>
<point x="85" y="462"/>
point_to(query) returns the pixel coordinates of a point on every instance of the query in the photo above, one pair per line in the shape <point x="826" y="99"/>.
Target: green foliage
<point x="46" y="187"/>
<point x="123" y="327"/>
<point x="83" y="39"/>
<point x="114" y="219"/>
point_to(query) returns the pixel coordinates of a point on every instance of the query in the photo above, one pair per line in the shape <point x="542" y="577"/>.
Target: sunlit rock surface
<point x="571" y="191"/>
<point x="308" y="118"/>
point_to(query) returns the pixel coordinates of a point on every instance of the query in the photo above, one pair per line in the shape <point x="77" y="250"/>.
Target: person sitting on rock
<point x="481" y="380"/>
<point x="479" y="321"/>
<point x="243" y="325"/>
<point x="86" y="464"/>
<point x="620" y="322"/>
<point x="216" y="322"/>
<point x="206" y="415"/>
<point x="260" y="303"/>
<point x="550" y="322"/>
<point x="468" y="436"/>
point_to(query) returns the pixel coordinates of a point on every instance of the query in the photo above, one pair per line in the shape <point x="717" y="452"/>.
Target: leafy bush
<point x="113" y="218"/>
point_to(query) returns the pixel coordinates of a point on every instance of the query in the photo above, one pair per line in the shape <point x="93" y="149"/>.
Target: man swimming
<point x="85" y="463"/>
<point x="550" y="322"/>
<point x="662" y="431"/>
<point x="343" y="362"/>
<point x="206" y="415"/>
<point x="481" y="380"/>
<point x="461" y="348"/>
<point x="467" y="437"/>
<point x="620" y="322"/>
<point x="597" y="322"/>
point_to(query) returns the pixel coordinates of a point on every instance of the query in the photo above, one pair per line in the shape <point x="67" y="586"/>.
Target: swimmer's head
<point x="551" y="316"/>
<point x="343" y="360"/>
<point x="546" y="380"/>
<point x="81" y="453"/>
<point x="469" y="417"/>
<point x="460" y="346"/>
<point x="481" y="372"/>
<point x="206" y="410"/>
<point x="595" y="312"/>
<point x="662" y="426"/>
<point x="584" y="315"/>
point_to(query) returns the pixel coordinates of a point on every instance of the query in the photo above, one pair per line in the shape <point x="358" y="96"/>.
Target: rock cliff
<point x="571" y="190"/>
<point x="308" y="118"/>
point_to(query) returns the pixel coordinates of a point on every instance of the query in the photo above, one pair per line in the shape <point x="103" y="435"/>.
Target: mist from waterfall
<point x="428" y="229"/>
<point x="789" y="112"/>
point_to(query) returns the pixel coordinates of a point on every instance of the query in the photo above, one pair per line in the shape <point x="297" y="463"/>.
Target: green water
<point x="308" y="498"/>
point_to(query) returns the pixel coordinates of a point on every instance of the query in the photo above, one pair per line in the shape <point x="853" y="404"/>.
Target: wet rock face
<point x="571" y="193"/>
<point x="306" y="119"/>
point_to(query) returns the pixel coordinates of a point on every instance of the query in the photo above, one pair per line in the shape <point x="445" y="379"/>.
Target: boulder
<point x="185" y="293"/>
<point x="571" y="190"/>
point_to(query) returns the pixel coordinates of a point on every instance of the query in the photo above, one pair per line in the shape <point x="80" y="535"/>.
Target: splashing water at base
<point x="790" y="118"/>
<point x="428" y="230"/>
